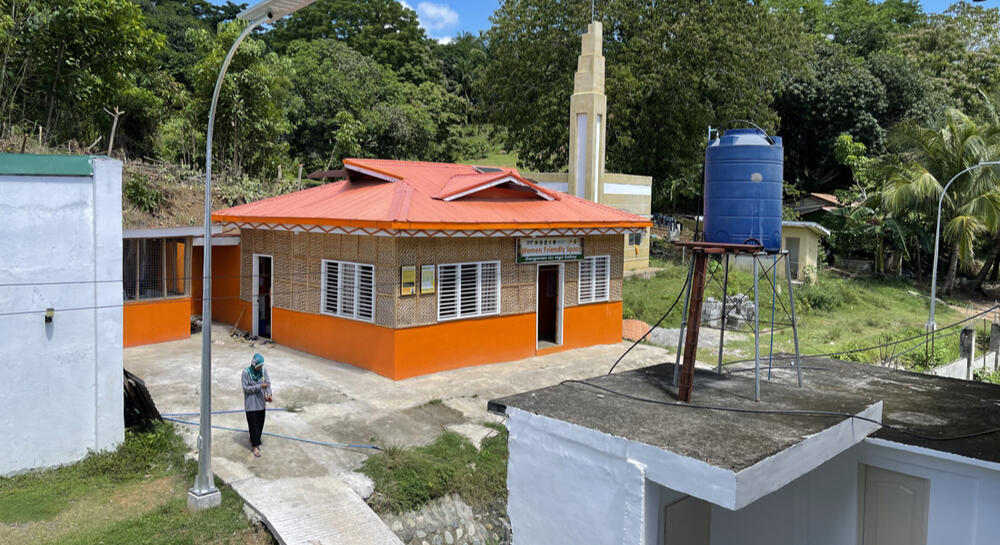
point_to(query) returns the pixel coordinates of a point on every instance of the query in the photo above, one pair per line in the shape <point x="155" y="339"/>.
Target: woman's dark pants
<point x="255" y="421"/>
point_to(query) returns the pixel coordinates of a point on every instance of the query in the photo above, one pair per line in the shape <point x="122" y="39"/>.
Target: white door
<point x="895" y="508"/>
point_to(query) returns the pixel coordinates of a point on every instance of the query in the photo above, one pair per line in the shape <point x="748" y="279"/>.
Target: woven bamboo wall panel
<point x="526" y="298"/>
<point x="406" y="311"/>
<point x="282" y="285"/>
<point x="385" y="310"/>
<point x="316" y="246"/>
<point x="300" y="245"/>
<point x="571" y="277"/>
<point x="427" y="308"/>
<point x="387" y="279"/>
<point x="367" y="249"/>
<point x="348" y="247"/>
<point x="386" y="251"/>
<point x="509" y="299"/>
<point x="526" y="274"/>
<point x="246" y="270"/>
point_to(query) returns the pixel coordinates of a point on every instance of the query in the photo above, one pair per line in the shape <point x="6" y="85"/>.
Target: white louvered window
<point x="467" y="290"/>
<point x="348" y="290"/>
<point x="595" y="276"/>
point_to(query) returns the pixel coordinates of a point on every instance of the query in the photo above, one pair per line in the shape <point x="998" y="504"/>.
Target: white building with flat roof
<point x="60" y="309"/>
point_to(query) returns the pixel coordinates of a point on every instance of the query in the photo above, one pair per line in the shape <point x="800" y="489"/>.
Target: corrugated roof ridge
<point x="402" y="197"/>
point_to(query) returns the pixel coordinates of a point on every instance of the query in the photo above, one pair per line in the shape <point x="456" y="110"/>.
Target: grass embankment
<point x="134" y="495"/>
<point x="484" y="147"/>
<point x="407" y="478"/>
<point x="834" y="315"/>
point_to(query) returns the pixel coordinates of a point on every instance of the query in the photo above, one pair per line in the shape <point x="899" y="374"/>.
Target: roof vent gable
<point x="463" y="186"/>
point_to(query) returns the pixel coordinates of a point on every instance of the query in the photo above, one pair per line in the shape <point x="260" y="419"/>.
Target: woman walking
<point x="256" y="393"/>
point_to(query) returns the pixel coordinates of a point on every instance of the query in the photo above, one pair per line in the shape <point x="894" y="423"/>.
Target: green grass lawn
<point x="835" y="314"/>
<point x="407" y="478"/>
<point x="134" y="495"/>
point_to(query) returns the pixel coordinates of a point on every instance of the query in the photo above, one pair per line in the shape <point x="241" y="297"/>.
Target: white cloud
<point x="407" y="6"/>
<point x="436" y="17"/>
<point x="445" y="41"/>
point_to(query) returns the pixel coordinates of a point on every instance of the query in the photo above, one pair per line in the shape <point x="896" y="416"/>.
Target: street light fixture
<point x="204" y="494"/>
<point x="931" y="326"/>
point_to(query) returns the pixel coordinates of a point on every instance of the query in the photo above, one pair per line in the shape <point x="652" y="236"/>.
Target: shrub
<point x="140" y="192"/>
<point x="825" y="299"/>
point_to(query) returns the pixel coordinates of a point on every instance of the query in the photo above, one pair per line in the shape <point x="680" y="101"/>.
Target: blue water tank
<point x="743" y="177"/>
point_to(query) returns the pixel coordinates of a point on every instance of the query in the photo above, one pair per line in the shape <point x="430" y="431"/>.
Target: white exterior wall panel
<point x="63" y="380"/>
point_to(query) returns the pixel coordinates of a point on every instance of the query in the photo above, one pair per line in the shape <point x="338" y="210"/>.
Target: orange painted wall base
<point x="409" y="352"/>
<point x="156" y="321"/>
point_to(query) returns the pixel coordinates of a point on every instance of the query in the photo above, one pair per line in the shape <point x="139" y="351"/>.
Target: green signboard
<point x="532" y="250"/>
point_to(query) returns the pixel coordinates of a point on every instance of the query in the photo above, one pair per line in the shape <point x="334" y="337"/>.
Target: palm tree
<point x="930" y="156"/>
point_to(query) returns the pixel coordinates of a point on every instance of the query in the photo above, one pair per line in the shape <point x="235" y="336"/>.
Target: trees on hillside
<point x="63" y="61"/>
<point x="385" y="30"/>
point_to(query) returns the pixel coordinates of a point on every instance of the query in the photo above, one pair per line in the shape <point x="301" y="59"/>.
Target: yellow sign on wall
<point x="408" y="280"/>
<point x="426" y="279"/>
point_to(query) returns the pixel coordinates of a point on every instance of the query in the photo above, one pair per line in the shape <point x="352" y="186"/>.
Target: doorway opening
<point x="262" y="295"/>
<point x="549" y="311"/>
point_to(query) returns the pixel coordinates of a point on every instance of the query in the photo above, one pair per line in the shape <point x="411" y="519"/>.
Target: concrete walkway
<point x="313" y="495"/>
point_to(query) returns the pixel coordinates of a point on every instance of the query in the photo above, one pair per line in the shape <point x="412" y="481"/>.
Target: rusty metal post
<point x="967" y="348"/>
<point x="680" y="334"/>
<point x="700" y="265"/>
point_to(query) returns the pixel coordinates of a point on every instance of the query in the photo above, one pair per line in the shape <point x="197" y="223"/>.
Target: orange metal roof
<point x="411" y="195"/>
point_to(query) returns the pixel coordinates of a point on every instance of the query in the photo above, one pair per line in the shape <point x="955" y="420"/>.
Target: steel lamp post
<point x="204" y="494"/>
<point x="931" y="326"/>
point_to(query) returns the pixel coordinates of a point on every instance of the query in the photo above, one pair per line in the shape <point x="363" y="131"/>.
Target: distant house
<point x="816" y="207"/>
<point x="801" y="239"/>
<point x="619" y="460"/>
<point x="407" y="268"/>
<point x="60" y="309"/>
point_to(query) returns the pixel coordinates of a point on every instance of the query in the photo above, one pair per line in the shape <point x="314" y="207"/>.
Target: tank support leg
<point x="756" y="331"/>
<point x="680" y="334"/>
<point x="795" y="327"/>
<point x="722" y="325"/>
<point x="700" y="260"/>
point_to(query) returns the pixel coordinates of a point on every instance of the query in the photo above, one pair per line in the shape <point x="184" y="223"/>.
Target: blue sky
<point x="443" y="19"/>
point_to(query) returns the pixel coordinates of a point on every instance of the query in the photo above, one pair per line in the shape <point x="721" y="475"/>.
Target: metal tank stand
<point x="691" y="325"/>
<point x="683" y="376"/>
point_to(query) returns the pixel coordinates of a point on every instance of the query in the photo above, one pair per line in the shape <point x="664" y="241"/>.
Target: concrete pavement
<point x="310" y="494"/>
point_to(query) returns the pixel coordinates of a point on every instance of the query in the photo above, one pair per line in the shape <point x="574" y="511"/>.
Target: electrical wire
<point x="809" y="413"/>
<point x="646" y="334"/>
<point x="281" y="436"/>
<point x="878" y="346"/>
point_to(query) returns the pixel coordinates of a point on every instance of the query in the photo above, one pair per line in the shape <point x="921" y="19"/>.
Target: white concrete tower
<point x="588" y="118"/>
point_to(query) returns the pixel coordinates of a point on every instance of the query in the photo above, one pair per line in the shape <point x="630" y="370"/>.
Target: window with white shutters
<point x="348" y="290"/>
<point x="595" y="275"/>
<point x="467" y="290"/>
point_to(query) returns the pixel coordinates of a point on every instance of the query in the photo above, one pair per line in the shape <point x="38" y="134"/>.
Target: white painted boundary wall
<point x="62" y="382"/>
<point x="567" y="491"/>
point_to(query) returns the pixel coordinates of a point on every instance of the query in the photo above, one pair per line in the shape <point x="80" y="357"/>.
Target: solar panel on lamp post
<point x="931" y="326"/>
<point x="204" y="494"/>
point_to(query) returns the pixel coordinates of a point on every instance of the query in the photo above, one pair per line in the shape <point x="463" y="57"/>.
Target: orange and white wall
<point x="405" y="337"/>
